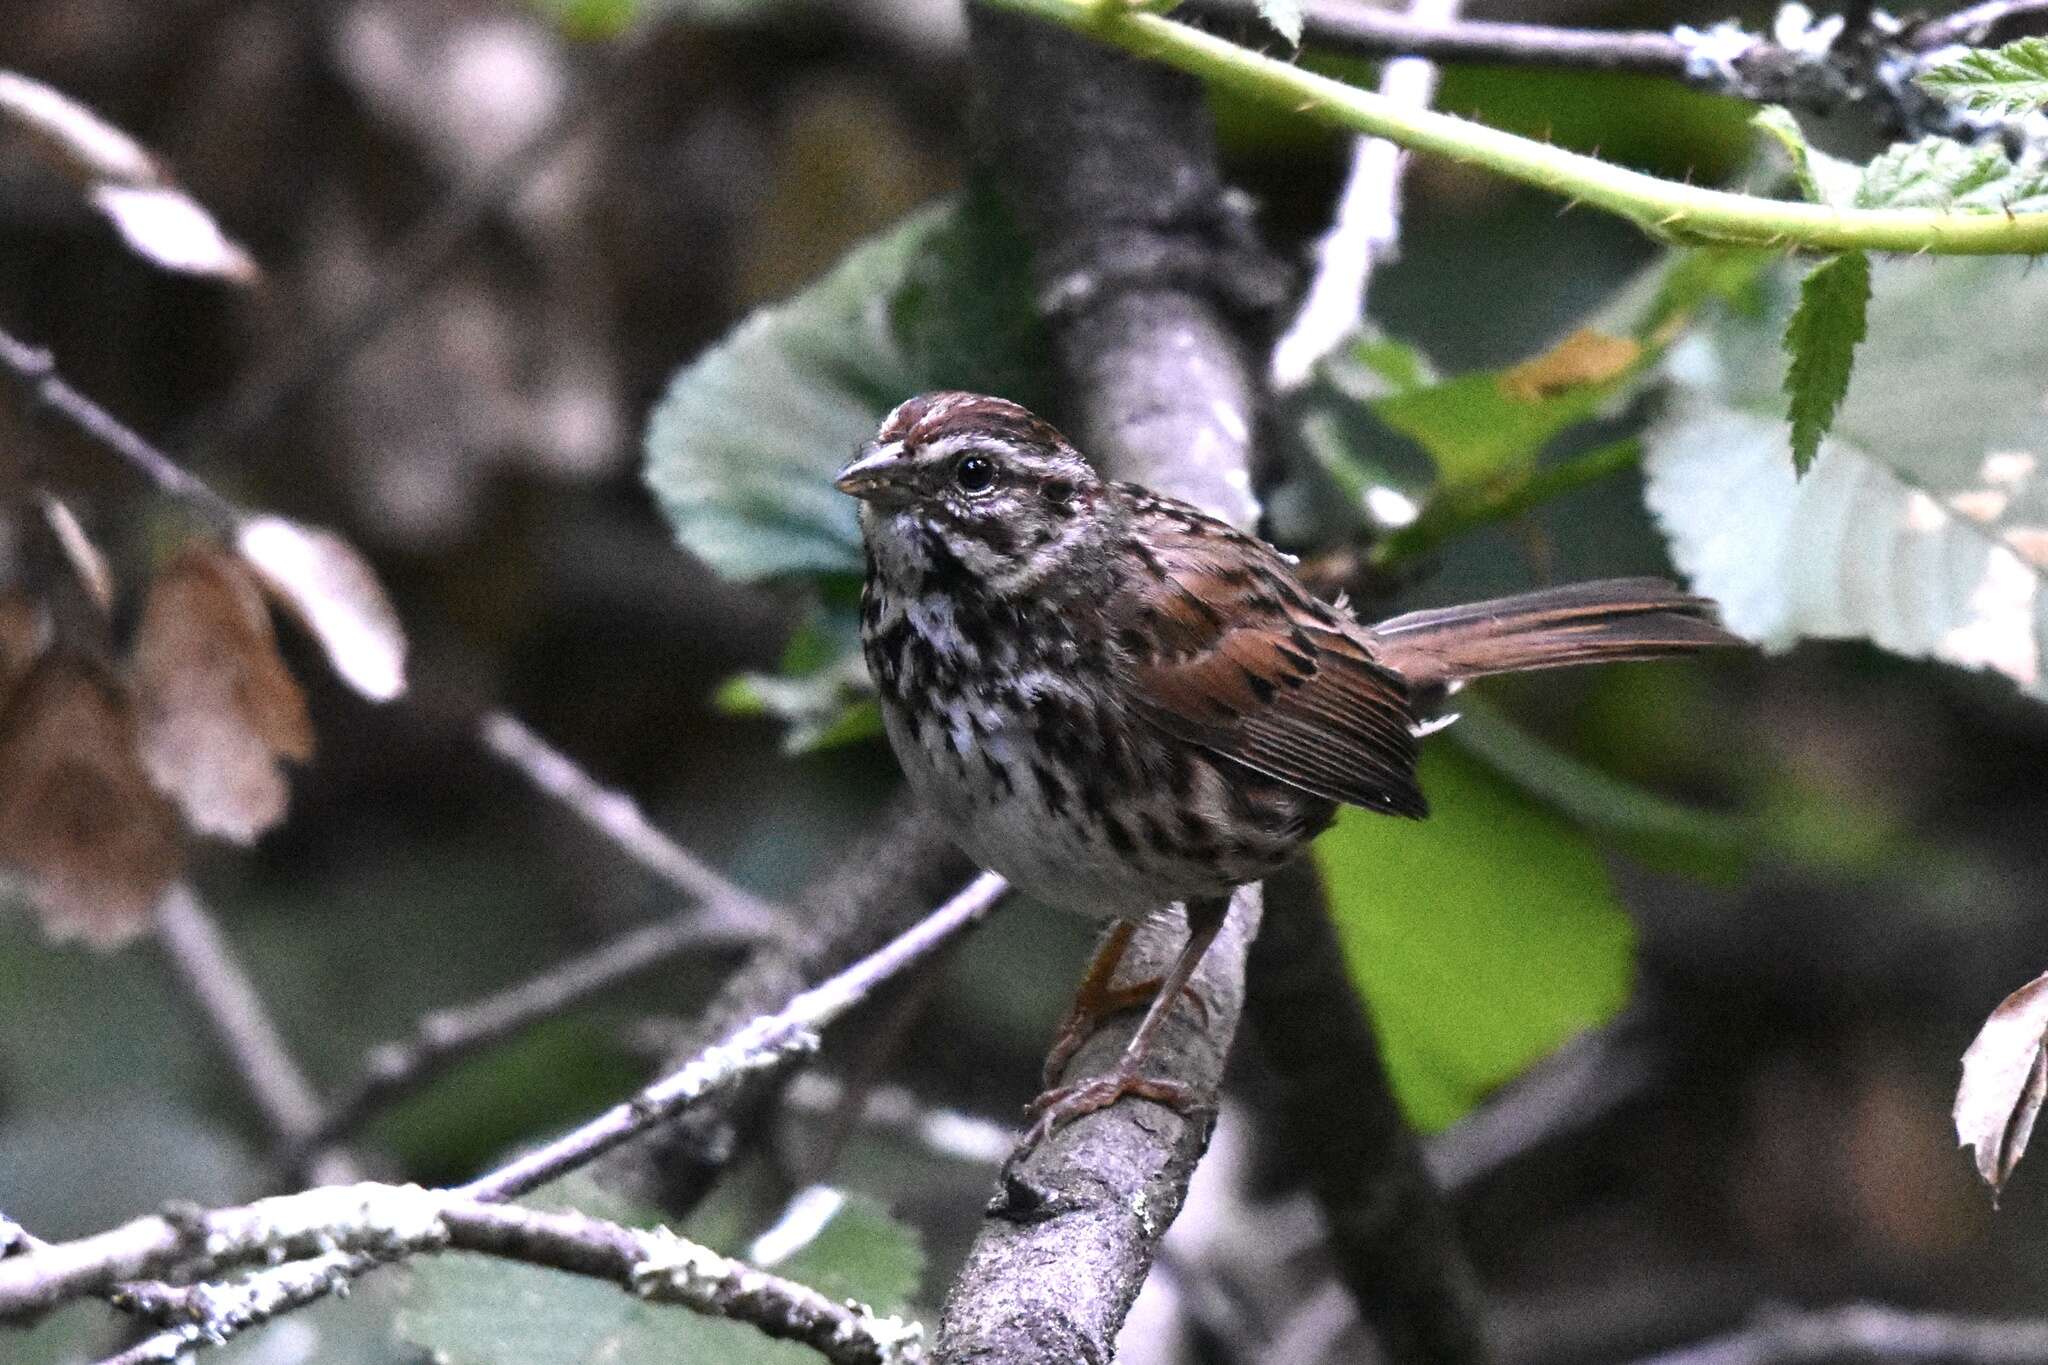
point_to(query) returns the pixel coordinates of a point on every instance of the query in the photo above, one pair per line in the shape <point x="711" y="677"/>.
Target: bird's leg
<point x="1068" y="1102"/>
<point x="1097" y="999"/>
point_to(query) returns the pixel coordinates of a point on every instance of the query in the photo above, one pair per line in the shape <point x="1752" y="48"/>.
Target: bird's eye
<point x="975" y="474"/>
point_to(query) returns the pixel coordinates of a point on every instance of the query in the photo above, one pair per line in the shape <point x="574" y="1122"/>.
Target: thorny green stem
<point x="1662" y="208"/>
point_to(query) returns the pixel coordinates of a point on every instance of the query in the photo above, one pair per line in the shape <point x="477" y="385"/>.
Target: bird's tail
<point x="1608" y="621"/>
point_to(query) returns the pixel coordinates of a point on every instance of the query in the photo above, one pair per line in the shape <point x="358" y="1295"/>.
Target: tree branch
<point x="388" y="1222"/>
<point x="877" y="891"/>
<point x="1150" y="276"/>
<point x="205" y="965"/>
<point x="210" y="1314"/>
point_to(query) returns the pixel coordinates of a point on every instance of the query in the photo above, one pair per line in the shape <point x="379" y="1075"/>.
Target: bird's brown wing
<point x="1229" y="652"/>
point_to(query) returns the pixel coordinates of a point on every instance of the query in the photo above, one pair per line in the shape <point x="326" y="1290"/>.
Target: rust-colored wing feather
<point x="1229" y="652"/>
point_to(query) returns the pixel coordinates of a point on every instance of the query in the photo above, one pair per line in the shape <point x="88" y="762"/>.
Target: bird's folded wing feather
<point x="1230" y="652"/>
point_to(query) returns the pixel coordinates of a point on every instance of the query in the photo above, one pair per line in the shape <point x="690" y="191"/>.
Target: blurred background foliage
<point x="1787" y="888"/>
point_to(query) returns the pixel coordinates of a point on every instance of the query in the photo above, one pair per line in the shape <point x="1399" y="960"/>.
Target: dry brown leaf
<point x="217" y="708"/>
<point x="24" y="634"/>
<point x="159" y="221"/>
<point x="332" y="590"/>
<point x="1585" y="357"/>
<point x="96" y="844"/>
<point x="2005" y="1079"/>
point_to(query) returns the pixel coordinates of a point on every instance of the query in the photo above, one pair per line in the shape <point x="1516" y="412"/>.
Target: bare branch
<point x="1362" y="31"/>
<point x="211" y="975"/>
<point x="1871" y="1332"/>
<point x="388" y="1222"/>
<point x="758" y="1046"/>
<point x="445" y="1037"/>
<point x="210" y="1314"/>
<point x="728" y="908"/>
<point x="1977" y="24"/>
<point x="1367" y="226"/>
<point x="35" y="371"/>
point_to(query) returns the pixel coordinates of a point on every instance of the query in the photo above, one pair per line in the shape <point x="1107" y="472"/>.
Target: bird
<point x="1122" y="704"/>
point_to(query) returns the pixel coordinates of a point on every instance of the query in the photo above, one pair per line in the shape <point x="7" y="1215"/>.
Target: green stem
<point x="1453" y="511"/>
<point x="1662" y="208"/>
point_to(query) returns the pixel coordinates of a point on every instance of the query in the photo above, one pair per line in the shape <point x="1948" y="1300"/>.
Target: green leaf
<point x="1485" y="432"/>
<point x="1481" y="938"/>
<point x="475" y="1310"/>
<point x="822" y="693"/>
<point x="863" y="1254"/>
<point x="1920" y="525"/>
<point x="1285" y="17"/>
<point x="1821" y="340"/>
<point x="1938" y="173"/>
<point x="1663" y="833"/>
<point x="588" y="19"/>
<point x="1822" y="178"/>
<point x="2005" y="82"/>
<point x="742" y="448"/>
<point x="1933" y="173"/>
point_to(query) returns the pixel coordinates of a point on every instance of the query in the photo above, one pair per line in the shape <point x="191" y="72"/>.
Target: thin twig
<point x="729" y="908"/>
<point x="1871" y="1332"/>
<point x="393" y="1071"/>
<point x="35" y="371"/>
<point x="1976" y="24"/>
<point x="210" y="1314"/>
<point x="1357" y="30"/>
<point x="208" y="969"/>
<point x="947" y="1133"/>
<point x="1362" y="31"/>
<point x="1366" y="230"/>
<point x="760" y="1044"/>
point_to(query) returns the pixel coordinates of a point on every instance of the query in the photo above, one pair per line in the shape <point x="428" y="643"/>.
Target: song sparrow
<point x="1120" y="703"/>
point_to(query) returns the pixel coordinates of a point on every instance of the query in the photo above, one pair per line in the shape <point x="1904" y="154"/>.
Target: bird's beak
<point x="876" y="474"/>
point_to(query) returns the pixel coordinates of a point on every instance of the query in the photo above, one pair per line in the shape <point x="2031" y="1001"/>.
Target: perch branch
<point x="1152" y="281"/>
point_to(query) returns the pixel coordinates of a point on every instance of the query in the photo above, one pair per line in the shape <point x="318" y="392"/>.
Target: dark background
<point x="1768" y="1125"/>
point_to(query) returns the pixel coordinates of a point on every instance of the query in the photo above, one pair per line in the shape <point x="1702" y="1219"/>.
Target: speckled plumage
<point x="1119" y="702"/>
